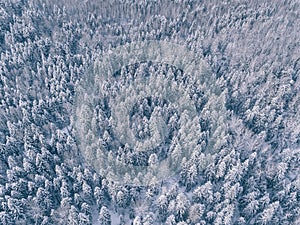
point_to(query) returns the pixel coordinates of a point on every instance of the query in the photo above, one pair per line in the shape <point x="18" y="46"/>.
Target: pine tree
<point x="148" y="220"/>
<point x="181" y="208"/>
<point x="73" y="216"/>
<point x="203" y="193"/>
<point x="87" y="192"/>
<point x="137" y="220"/>
<point x="84" y="219"/>
<point x="267" y="215"/>
<point x="162" y="203"/>
<point x="171" y="220"/>
<point x="196" y="211"/>
<point x="104" y="216"/>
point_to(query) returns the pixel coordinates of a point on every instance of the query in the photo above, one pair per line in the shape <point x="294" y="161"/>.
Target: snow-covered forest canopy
<point x="229" y="131"/>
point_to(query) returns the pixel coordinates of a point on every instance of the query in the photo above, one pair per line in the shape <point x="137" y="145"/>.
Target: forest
<point x="176" y="112"/>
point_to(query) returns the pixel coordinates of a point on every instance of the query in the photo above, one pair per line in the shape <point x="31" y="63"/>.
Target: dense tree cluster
<point x="244" y="171"/>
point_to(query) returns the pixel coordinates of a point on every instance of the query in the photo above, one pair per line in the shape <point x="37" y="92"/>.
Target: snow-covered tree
<point x="104" y="216"/>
